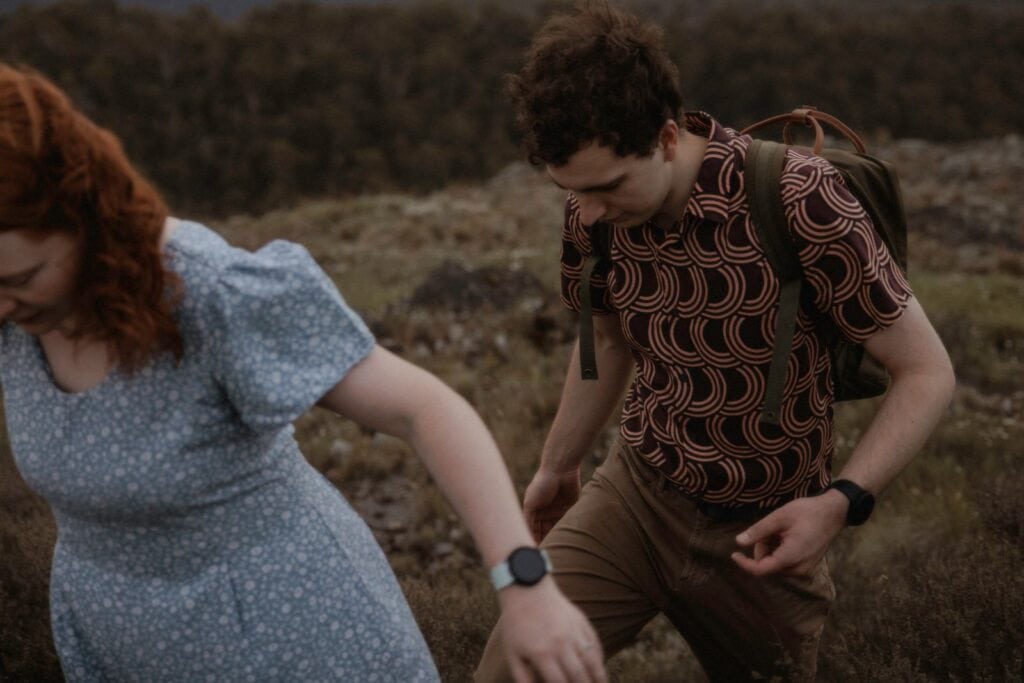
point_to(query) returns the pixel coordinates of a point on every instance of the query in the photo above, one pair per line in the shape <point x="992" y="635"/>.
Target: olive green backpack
<point x="872" y="181"/>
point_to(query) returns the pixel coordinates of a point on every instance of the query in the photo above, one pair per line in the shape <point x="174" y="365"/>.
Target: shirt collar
<point x="718" y="177"/>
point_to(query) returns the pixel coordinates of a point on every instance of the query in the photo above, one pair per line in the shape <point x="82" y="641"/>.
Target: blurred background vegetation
<point x="376" y="136"/>
<point x="296" y="100"/>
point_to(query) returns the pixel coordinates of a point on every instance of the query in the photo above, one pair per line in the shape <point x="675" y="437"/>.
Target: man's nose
<point x="591" y="209"/>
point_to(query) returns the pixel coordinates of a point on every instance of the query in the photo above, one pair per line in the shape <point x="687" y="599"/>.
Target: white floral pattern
<point x="195" y="542"/>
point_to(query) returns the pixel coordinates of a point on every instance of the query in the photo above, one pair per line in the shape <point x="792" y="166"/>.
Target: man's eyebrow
<point x="14" y="277"/>
<point x="611" y="185"/>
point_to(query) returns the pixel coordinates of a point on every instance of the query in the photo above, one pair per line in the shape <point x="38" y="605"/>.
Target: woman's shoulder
<point x="194" y="251"/>
<point x="221" y="281"/>
<point x="197" y="253"/>
<point x="208" y="265"/>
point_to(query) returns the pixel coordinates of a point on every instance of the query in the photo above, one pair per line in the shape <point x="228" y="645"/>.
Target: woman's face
<point x="37" y="279"/>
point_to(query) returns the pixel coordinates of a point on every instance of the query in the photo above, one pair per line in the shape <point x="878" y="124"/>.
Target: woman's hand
<point x="547" y="638"/>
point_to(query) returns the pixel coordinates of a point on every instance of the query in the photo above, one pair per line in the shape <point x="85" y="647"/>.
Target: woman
<point x="151" y="373"/>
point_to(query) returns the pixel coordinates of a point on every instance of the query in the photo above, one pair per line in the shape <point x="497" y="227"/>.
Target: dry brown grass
<point x="929" y="590"/>
<point x="27" y="535"/>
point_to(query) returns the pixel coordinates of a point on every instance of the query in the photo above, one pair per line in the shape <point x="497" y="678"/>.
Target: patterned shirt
<point x="697" y="305"/>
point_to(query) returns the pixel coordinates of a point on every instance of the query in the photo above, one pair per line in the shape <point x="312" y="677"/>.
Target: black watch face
<point x="860" y="509"/>
<point x="527" y="566"/>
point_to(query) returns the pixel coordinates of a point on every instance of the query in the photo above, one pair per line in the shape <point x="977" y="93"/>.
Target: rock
<point x="452" y="287"/>
<point x="340" y="448"/>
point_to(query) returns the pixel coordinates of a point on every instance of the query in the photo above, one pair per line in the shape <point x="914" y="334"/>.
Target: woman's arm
<point x="544" y="631"/>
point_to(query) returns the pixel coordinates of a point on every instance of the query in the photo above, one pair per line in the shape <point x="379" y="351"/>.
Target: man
<point x="702" y="511"/>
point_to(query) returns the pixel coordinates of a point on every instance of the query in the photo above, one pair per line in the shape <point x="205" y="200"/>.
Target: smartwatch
<point x="525" y="566"/>
<point x="861" y="502"/>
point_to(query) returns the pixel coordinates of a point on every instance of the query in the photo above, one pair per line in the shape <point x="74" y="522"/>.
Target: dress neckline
<point x="172" y="230"/>
<point x="47" y="369"/>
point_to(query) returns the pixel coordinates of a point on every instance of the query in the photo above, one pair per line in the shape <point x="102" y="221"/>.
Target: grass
<point x="981" y="318"/>
<point x="26" y="546"/>
<point x="929" y="590"/>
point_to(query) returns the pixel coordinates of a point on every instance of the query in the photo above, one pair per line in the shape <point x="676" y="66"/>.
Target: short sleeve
<point x="283" y="335"/>
<point x="576" y="249"/>
<point x="852" y="276"/>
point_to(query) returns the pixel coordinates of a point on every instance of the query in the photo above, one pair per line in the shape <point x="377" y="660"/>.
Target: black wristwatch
<point x="525" y="566"/>
<point x="861" y="502"/>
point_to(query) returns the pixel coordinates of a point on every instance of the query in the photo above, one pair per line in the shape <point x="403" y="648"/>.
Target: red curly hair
<point x="61" y="172"/>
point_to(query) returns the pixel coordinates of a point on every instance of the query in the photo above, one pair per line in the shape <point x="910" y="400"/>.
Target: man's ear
<point x="668" y="139"/>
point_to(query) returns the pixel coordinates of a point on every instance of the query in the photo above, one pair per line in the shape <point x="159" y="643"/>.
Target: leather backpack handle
<point x="809" y="117"/>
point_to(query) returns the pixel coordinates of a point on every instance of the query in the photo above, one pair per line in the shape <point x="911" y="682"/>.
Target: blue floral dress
<point x="195" y="543"/>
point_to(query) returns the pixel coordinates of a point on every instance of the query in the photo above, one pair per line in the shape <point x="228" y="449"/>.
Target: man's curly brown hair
<point x="597" y="74"/>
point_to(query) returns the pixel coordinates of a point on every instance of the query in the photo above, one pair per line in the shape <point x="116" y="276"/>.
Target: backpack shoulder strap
<point x="762" y="177"/>
<point x="600" y="250"/>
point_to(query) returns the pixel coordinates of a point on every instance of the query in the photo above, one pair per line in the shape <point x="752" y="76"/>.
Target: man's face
<point x="37" y="279"/>
<point x="624" y="191"/>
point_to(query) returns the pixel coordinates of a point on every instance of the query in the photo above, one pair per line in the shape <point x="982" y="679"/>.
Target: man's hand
<point x="793" y="539"/>
<point x="548" y="497"/>
<point x="547" y="638"/>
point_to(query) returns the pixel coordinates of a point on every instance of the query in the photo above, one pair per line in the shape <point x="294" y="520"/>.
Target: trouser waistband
<point x="719" y="512"/>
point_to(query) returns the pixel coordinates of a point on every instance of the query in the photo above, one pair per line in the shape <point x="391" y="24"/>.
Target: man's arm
<point x="583" y="411"/>
<point x="793" y="539"/>
<point x="922" y="388"/>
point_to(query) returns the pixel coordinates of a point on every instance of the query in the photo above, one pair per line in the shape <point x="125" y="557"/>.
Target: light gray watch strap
<point x="501" y="575"/>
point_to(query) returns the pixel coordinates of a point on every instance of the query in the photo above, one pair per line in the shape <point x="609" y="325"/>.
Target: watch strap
<point x="860" y="501"/>
<point x="501" y="574"/>
<point x="847" y="488"/>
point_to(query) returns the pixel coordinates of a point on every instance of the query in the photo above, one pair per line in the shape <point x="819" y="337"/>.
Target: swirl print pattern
<point x="697" y="304"/>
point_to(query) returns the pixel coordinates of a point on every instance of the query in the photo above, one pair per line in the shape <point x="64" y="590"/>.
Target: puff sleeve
<point x="281" y="334"/>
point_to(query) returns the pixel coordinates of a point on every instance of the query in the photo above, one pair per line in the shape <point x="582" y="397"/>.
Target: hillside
<point x="464" y="282"/>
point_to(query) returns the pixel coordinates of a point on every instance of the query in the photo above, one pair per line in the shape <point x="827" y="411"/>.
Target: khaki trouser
<point x="634" y="545"/>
